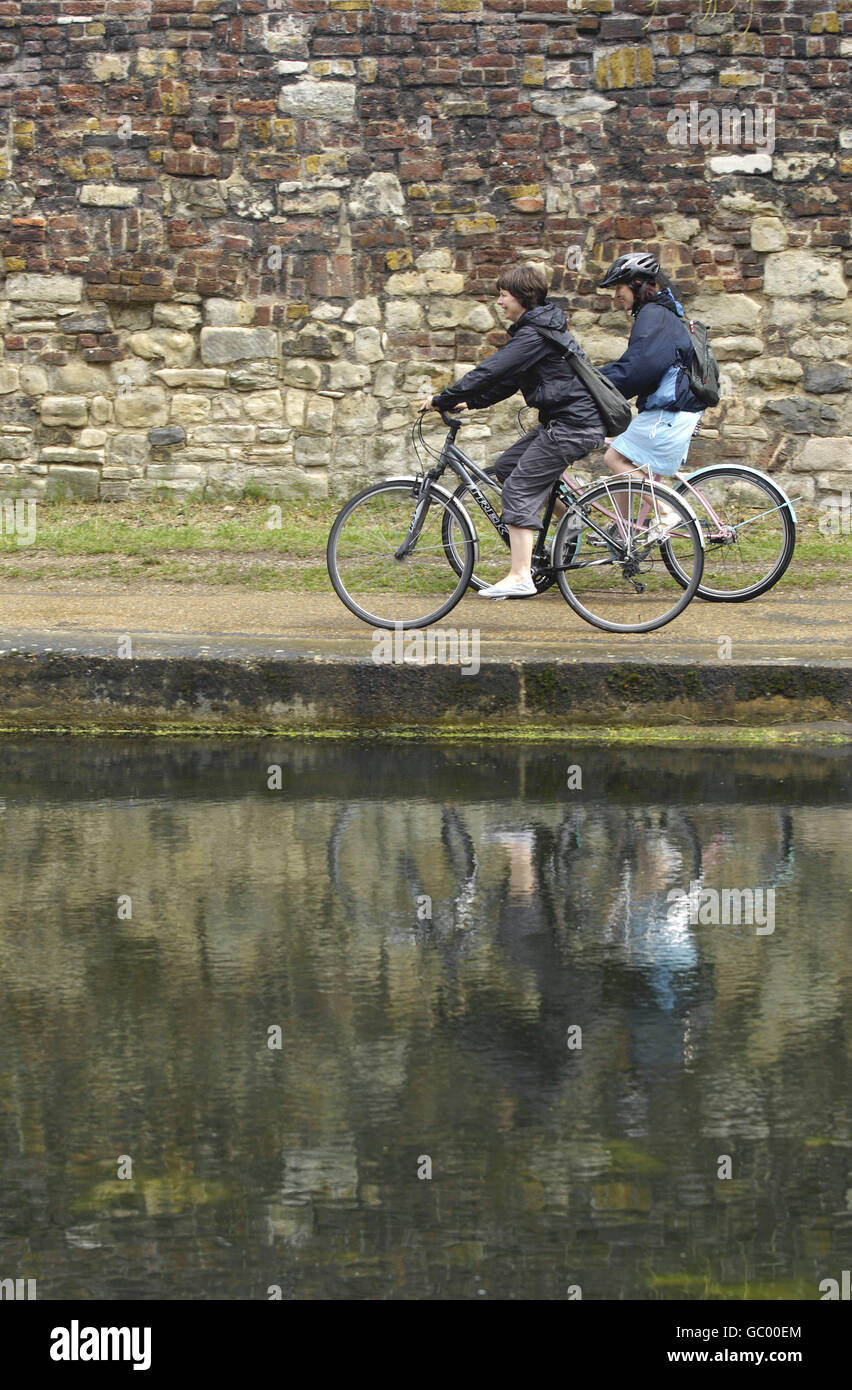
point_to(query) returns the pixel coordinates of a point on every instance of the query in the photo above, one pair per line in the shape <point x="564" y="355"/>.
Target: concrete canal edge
<point x="42" y="691"/>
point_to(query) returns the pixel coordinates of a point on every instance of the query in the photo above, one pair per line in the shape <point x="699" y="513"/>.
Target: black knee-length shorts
<point x="527" y="470"/>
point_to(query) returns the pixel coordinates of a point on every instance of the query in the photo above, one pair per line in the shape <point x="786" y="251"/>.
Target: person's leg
<point x="527" y="487"/>
<point x="521" y="542"/>
<point x="521" y="539"/>
<point x="618" y="464"/>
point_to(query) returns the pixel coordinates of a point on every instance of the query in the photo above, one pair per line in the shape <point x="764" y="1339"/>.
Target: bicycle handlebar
<point x="450" y="418"/>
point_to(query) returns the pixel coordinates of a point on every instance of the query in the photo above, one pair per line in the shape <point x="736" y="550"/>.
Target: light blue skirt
<point x="658" y="439"/>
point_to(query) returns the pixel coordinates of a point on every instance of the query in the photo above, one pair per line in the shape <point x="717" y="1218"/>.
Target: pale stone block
<point x="264" y="405"/>
<point x="66" y="481"/>
<point x="295" y="403"/>
<point x="357" y="413"/>
<point x="768" y="234"/>
<point x="33" y="380"/>
<point x="301" y="371"/>
<point x="54" y="289"/>
<point x="821" y="455"/>
<point x="128" y="450"/>
<point x="63" y="410"/>
<point x="237" y="344"/>
<point x="794" y="274"/>
<point x="223" y="434"/>
<point x="144" y="405"/>
<point x="213" y="378"/>
<point x="323" y="101"/>
<point x="108" y="195"/>
<point x="403" y="316"/>
<point x="365" y="312"/>
<point x="345" y="376"/>
<point x="435" y="260"/>
<point x="67" y="453"/>
<point x="190" y="472"/>
<point x="293" y="482"/>
<point x="771" y="370"/>
<point x="741" y="164"/>
<point x="107" y="67"/>
<point x="380" y="193"/>
<point x="319" y="414"/>
<point x="227" y="406"/>
<point x="737" y="347"/>
<point x="174" y="347"/>
<point x="726" y="313"/>
<point x="384" y="382"/>
<point x="221" y="313"/>
<point x="368" y="345"/>
<point x="311" y="450"/>
<point x="189" y="409"/>
<point x="78" y="378"/>
<point x="182" y="316"/>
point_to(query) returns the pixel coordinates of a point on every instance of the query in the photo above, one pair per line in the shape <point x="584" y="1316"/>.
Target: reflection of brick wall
<point x="240" y="237"/>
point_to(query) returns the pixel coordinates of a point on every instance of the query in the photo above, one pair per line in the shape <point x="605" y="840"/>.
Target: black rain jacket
<point x="533" y="365"/>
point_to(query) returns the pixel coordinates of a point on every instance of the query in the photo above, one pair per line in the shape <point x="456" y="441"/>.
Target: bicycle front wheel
<point x="390" y="591"/>
<point x="749" y="532"/>
<point x="619" y="579"/>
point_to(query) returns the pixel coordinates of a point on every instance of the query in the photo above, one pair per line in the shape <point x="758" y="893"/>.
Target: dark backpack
<point x="613" y="408"/>
<point x="703" y="371"/>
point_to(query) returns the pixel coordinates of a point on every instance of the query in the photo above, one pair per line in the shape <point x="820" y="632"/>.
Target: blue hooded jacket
<point x="659" y="351"/>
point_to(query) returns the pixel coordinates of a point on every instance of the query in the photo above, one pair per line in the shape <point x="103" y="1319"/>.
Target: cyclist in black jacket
<point x="569" y="426"/>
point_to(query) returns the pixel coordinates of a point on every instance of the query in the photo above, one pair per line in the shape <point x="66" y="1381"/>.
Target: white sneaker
<point x="509" y="588"/>
<point x="663" y="525"/>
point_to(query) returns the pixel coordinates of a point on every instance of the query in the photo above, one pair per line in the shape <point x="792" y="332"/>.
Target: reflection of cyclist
<point x="570" y="425"/>
<point x="654" y="370"/>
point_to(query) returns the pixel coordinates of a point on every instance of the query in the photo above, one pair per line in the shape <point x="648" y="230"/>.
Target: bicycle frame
<point x="468" y="473"/>
<point x="723" y="531"/>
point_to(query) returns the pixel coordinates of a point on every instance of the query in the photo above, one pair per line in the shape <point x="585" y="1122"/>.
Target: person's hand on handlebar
<point x="427" y="405"/>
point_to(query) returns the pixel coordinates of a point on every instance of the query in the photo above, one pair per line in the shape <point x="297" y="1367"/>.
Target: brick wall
<point x="239" y="237"/>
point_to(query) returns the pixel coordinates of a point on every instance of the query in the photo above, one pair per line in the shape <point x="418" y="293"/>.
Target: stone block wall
<point x="241" y="237"/>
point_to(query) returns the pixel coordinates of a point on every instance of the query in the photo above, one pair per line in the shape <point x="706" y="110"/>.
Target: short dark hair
<point x="525" y="282"/>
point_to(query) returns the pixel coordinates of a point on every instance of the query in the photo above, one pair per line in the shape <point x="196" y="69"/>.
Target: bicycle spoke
<point x="379" y="588"/>
<point x="749" y="528"/>
<point x="629" y="587"/>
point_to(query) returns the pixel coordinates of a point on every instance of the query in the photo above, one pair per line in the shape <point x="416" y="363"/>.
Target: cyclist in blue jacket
<point x="654" y="369"/>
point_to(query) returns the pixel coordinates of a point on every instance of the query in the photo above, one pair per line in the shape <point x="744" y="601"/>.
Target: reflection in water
<point x="394" y="957"/>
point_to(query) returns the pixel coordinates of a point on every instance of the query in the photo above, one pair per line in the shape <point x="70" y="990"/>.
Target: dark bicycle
<point x="618" y="564"/>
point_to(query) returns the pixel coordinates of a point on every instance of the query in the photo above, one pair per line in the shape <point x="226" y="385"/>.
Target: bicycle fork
<point x="418" y="517"/>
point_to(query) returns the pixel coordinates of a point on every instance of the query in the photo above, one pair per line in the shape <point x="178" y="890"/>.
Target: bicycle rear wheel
<point x="752" y="548"/>
<point x="386" y="591"/>
<point x="619" y="580"/>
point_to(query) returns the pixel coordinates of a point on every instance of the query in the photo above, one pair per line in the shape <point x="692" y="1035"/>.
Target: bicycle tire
<point x="406" y="489"/>
<point x="718" y="472"/>
<point x="637" y="494"/>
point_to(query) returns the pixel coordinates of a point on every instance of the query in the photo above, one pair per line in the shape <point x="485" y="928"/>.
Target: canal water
<point x="393" y="1020"/>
